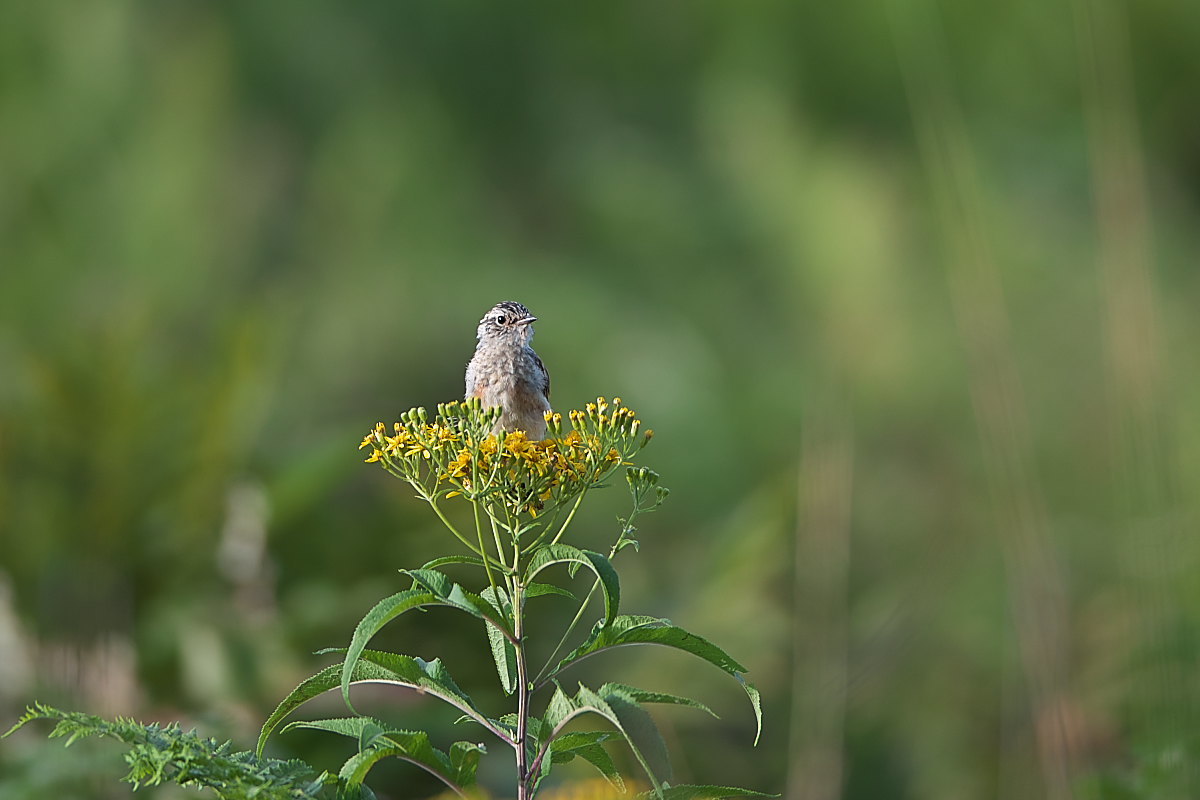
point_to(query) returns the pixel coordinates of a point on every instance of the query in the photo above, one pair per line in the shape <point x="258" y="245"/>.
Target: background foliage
<point x="908" y="291"/>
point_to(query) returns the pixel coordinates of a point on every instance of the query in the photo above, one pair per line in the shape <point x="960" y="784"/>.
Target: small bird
<point x="506" y="372"/>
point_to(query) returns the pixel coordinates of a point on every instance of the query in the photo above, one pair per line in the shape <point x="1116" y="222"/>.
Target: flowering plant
<point x="524" y="495"/>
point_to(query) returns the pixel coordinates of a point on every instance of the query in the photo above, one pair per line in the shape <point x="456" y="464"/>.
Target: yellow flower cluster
<point x="456" y="453"/>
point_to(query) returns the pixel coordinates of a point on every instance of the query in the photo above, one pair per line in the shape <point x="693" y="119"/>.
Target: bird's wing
<point x="546" y="388"/>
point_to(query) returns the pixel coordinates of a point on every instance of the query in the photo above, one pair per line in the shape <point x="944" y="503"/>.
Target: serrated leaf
<point x="643" y="696"/>
<point x="456" y="769"/>
<point x="412" y="746"/>
<point x="360" y="728"/>
<point x="696" y="792"/>
<point x="588" y="746"/>
<point x="630" y="720"/>
<point x="474" y="561"/>
<point x="558" y="709"/>
<point x="565" y="744"/>
<point x="540" y="589"/>
<point x="629" y="630"/>
<point x="566" y="554"/>
<point x="430" y="677"/>
<point x="381" y="614"/>
<point x="431" y="580"/>
<point x="368" y="734"/>
<point x="440" y="592"/>
<point x="641" y="731"/>
<point x="452" y="594"/>
<point x="464" y="762"/>
<point x="503" y="652"/>
<point x="323" y="681"/>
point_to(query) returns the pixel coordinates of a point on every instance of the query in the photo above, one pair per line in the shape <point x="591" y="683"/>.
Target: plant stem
<point x="524" y="779"/>
<point x="496" y="534"/>
<point x="486" y="567"/>
<point x="570" y="517"/>
<point x="428" y="498"/>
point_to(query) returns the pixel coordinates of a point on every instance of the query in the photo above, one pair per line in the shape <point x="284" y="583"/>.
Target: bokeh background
<point x="908" y="290"/>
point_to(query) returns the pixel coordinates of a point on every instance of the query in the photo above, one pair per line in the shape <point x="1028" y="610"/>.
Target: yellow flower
<point x="456" y="445"/>
<point x="460" y="467"/>
<point x="517" y="445"/>
<point x="441" y="435"/>
<point x="397" y="442"/>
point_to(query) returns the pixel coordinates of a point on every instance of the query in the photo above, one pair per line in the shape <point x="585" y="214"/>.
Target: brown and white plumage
<point x="506" y="372"/>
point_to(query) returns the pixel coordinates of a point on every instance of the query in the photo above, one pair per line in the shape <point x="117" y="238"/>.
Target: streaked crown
<point x="507" y="318"/>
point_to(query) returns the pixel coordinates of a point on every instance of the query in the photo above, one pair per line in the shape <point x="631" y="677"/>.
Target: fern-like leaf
<point x="167" y="754"/>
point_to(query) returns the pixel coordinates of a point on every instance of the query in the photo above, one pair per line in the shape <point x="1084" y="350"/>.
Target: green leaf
<point x="539" y="589"/>
<point x="565" y="746"/>
<point x="566" y="554"/>
<point x="558" y="710"/>
<point x="162" y="754"/>
<point x="452" y="594"/>
<point x="366" y="737"/>
<point x="627" y="630"/>
<point x="384" y="612"/>
<point x="588" y="746"/>
<point x="474" y="561"/>
<point x="431" y="580"/>
<point x="692" y="792"/>
<point x="429" y="677"/>
<point x="457" y="771"/>
<point x="464" y="761"/>
<point x="634" y="543"/>
<point x="503" y="651"/>
<point x="641" y="732"/>
<point x="441" y="592"/>
<point x="623" y="712"/>
<point x="643" y="696"/>
<point x="359" y="728"/>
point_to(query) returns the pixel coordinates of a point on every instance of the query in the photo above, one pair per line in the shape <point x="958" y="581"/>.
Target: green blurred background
<point x="908" y="291"/>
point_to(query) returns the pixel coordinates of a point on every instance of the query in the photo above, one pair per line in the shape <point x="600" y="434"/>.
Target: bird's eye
<point x="500" y="319"/>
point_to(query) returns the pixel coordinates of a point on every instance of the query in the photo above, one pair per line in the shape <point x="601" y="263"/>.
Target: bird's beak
<point x="528" y="320"/>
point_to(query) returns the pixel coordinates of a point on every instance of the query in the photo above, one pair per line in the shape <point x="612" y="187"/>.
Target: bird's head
<point x="507" y="321"/>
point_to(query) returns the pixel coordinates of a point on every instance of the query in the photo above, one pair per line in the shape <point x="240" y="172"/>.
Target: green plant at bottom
<point x="159" y="754"/>
<point x="523" y="496"/>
